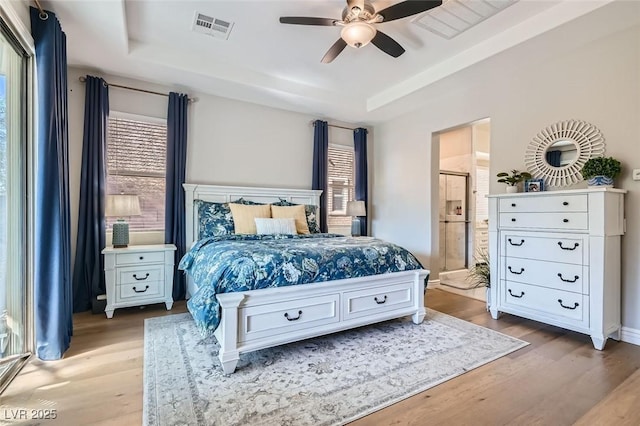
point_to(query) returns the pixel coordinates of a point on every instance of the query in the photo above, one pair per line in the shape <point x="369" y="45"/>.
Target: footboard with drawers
<point x="555" y="258"/>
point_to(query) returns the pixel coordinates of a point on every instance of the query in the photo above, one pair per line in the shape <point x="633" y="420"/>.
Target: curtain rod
<point x="43" y="14"/>
<point x="84" y="79"/>
<point x="313" y="123"/>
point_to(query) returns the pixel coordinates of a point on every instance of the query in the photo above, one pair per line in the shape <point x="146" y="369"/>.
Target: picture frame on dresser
<point x="534" y="185"/>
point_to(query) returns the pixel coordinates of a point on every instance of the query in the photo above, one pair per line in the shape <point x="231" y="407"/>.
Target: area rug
<point x="322" y="381"/>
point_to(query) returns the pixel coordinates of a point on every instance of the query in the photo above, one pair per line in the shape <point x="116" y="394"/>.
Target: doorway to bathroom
<point x="462" y="204"/>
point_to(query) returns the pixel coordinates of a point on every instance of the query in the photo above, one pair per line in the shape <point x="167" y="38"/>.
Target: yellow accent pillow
<point x="244" y="216"/>
<point x="296" y="212"/>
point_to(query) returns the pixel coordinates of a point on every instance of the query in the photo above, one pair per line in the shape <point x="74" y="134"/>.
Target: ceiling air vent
<point x="211" y="26"/>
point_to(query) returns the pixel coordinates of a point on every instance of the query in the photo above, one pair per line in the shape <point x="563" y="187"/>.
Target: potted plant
<point x="512" y="179"/>
<point x="601" y="171"/>
<point x="479" y="273"/>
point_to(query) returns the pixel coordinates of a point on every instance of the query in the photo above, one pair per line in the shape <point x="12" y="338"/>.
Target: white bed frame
<point x="259" y="319"/>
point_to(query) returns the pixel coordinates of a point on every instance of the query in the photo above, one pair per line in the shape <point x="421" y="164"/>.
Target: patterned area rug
<point x="322" y="381"/>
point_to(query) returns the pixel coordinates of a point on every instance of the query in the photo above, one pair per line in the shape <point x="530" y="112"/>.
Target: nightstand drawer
<point x="139" y="274"/>
<point x="139" y="258"/>
<point x="140" y="290"/>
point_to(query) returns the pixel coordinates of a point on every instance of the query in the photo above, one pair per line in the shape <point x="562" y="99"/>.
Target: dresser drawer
<point x="558" y="303"/>
<point x="565" y="250"/>
<point x="262" y="321"/>
<point x="550" y="221"/>
<point x="560" y="276"/>
<point x="140" y="291"/>
<point x="139" y="274"/>
<point x="373" y="301"/>
<point x="139" y="258"/>
<point x="545" y="203"/>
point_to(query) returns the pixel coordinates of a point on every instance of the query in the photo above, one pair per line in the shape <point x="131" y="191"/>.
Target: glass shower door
<point x="453" y="221"/>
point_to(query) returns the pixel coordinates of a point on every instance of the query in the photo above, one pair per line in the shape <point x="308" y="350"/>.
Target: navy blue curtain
<point x="320" y="159"/>
<point x="174" y="222"/>
<point x="88" y="269"/>
<point x="362" y="183"/>
<point x="553" y="158"/>
<point x="52" y="250"/>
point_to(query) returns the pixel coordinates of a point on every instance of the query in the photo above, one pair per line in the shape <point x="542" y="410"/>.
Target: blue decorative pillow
<point x="246" y="202"/>
<point x="215" y="219"/>
<point x="310" y="211"/>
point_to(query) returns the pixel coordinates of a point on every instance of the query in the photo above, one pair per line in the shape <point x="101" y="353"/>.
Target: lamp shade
<point x="358" y="34"/>
<point x="356" y="208"/>
<point x="120" y="205"/>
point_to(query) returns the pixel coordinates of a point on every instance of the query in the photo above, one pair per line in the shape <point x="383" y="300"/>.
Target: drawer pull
<point x="513" y="219"/>
<point x="513" y="204"/>
<point x="380" y="302"/>
<point x="517" y="297"/>
<point x="575" y="305"/>
<point x="565" y="203"/>
<point x="141" y="257"/>
<point x="565" y="220"/>
<point x="141" y="279"/>
<point x="514" y="272"/>
<point x="575" y="246"/>
<point x="569" y="281"/>
<point x="514" y="244"/>
<point x="141" y="291"/>
<point x="286" y="315"/>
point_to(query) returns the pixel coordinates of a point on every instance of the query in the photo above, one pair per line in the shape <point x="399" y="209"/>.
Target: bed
<point x="249" y="320"/>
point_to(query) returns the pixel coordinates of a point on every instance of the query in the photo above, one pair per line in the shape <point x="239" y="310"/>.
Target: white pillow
<point x="276" y="226"/>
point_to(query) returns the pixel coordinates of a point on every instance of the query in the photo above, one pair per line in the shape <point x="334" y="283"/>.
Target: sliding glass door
<point x="14" y="324"/>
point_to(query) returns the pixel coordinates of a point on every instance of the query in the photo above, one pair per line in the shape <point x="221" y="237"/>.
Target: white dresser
<point x="138" y="275"/>
<point x="555" y="258"/>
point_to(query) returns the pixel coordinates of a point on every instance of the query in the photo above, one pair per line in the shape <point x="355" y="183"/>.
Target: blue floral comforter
<point x="229" y="263"/>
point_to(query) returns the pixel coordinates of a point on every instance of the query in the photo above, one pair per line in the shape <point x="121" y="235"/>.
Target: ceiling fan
<point x="358" y="20"/>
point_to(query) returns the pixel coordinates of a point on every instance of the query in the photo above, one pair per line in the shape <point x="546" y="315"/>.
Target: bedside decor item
<point x="558" y="152"/>
<point x="512" y="179"/>
<point x="356" y="209"/>
<point x="534" y="185"/>
<point x="601" y="171"/>
<point x="120" y="206"/>
<point x="138" y="275"/>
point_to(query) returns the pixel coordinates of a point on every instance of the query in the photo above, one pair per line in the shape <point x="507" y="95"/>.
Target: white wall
<point x="597" y="81"/>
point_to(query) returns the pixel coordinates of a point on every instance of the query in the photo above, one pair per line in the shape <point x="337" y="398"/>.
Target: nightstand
<point x="138" y="275"/>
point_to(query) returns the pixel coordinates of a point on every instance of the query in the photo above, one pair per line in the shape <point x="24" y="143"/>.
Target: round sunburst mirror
<point x="558" y="152"/>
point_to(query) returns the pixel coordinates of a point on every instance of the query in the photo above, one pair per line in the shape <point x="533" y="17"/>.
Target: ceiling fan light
<point x="358" y="34"/>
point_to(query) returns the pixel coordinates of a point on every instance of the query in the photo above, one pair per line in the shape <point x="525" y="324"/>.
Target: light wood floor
<point x="559" y="379"/>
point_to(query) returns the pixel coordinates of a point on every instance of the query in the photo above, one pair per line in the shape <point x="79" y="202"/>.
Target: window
<point x="136" y="163"/>
<point x="15" y="110"/>
<point x="341" y="178"/>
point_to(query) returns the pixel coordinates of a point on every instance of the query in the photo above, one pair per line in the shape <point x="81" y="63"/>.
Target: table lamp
<point x="356" y="209"/>
<point x="120" y="206"/>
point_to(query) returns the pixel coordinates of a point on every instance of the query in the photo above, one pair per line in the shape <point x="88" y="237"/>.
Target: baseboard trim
<point x="433" y="283"/>
<point x="630" y="335"/>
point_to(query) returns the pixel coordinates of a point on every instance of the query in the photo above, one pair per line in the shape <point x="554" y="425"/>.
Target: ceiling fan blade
<point x="306" y="20"/>
<point x="334" y="51"/>
<point x="387" y="44"/>
<point x="407" y="8"/>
